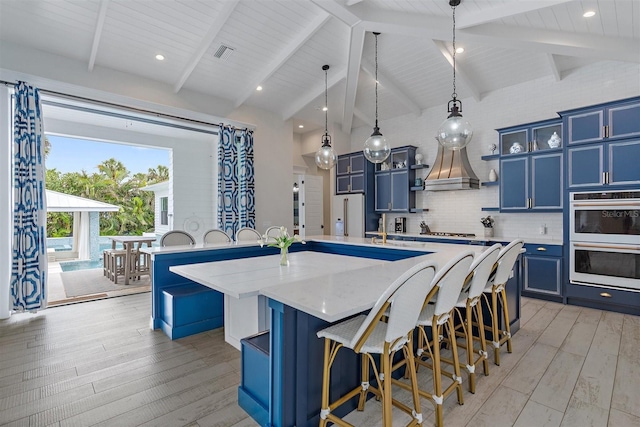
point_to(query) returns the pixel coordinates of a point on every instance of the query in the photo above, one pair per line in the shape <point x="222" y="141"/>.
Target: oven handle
<point x="586" y="245"/>
<point x="600" y="205"/>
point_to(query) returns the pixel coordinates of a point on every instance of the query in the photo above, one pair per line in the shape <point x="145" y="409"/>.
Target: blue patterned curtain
<point x="236" y="187"/>
<point x="29" y="266"/>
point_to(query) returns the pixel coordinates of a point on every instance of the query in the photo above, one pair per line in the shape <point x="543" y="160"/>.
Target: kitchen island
<point x="302" y="301"/>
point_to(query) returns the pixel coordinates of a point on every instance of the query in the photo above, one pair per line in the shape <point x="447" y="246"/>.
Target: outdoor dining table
<point x="128" y="243"/>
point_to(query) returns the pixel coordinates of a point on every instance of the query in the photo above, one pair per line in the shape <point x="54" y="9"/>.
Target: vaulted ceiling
<point x="281" y="45"/>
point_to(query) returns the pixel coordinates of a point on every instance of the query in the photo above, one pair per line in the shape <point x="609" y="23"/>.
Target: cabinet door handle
<point x="349" y="187"/>
<point x="604" y="177"/>
<point x="541" y="249"/>
<point x="389" y="206"/>
<point x="607" y="175"/>
<point x="606" y="131"/>
<point x="529" y="203"/>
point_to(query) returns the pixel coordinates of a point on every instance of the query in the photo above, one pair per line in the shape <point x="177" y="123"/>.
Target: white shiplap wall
<point x="539" y="99"/>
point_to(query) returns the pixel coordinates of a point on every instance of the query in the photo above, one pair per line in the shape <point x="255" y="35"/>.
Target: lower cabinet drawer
<point x="603" y="298"/>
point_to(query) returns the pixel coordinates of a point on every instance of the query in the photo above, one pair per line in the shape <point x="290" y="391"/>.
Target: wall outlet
<point x="543" y="229"/>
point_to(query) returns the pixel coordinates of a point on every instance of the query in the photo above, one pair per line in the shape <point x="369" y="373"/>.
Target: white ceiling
<point x="282" y="45"/>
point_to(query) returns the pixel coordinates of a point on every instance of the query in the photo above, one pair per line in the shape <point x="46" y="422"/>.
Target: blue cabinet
<point x="393" y="181"/>
<point x="617" y="120"/>
<point x="531" y="167"/>
<point x="605" y="163"/>
<point x="531" y="182"/>
<point x="352" y="173"/>
<point x="542" y="271"/>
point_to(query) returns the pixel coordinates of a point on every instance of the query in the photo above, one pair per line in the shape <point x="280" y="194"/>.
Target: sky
<point x="75" y="155"/>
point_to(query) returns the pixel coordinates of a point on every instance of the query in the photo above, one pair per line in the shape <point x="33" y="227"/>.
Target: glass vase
<point x="283" y="256"/>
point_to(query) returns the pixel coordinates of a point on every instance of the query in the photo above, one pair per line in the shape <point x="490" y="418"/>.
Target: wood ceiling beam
<point x="338" y="11"/>
<point x="333" y="78"/>
<point x="97" y="35"/>
<point x="460" y="72"/>
<point x="504" y="36"/>
<point x="356" y="45"/>
<point x="284" y="56"/>
<point x="389" y="85"/>
<point x="504" y="10"/>
<point x="214" y="29"/>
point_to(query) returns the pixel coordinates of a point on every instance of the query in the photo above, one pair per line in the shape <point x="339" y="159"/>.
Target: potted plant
<point x="487" y="222"/>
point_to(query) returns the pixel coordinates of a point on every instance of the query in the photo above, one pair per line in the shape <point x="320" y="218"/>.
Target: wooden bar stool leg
<point x="326" y="373"/>
<point x="483" y="341"/>
<point x="507" y="326"/>
<point x="456" y="359"/>
<point x="494" y="327"/>
<point x="470" y="352"/>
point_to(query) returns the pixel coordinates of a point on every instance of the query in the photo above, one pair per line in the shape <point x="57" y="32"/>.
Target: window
<point x="164" y="211"/>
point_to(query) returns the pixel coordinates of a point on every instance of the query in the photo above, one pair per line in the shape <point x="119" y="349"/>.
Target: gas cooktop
<point x="445" y="234"/>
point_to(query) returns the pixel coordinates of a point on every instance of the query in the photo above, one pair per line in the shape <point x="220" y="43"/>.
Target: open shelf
<point x="490" y="183"/>
<point x="490" y="157"/>
<point x="419" y="166"/>
<point x="418" y="210"/>
<point x="419" y="188"/>
<point x="490" y="209"/>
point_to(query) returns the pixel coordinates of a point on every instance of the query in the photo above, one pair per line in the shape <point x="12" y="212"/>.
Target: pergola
<point x="86" y="220"/>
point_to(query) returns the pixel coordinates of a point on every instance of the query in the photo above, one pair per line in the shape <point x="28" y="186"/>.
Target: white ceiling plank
<point x="333" y="78"/>
<point x="351" y="2"/>
<point x="364" y="117"/>
<point x="460" y="73"/>
<point x="555" y="70"/>
<point x="98" y="33"/>
<point x="284" y="56"/>
<point x="338" y="11"/>
<point x="356" y="45"/>
<point x="391" y="86"/>
<point x="503" y="11"/>
<point x="214" y="29"/>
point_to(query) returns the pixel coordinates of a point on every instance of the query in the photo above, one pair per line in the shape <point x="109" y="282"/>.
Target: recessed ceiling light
<point x="259" y="88"/>
<point x="301" y="126"/>
<point x="589" y="14"/>
<point x="324" y="108"/>
<point x="160" y="57"/>
<point x="459" y="50"/>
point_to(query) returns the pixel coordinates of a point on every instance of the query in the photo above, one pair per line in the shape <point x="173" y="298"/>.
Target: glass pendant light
<point x="455" y="132"/>
<point x="325" y="156"/>
<point x="376" y="147"/>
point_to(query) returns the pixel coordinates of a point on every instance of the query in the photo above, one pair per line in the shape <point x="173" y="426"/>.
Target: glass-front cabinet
<point x="393" y="180"/>
<point x="539" y="136"/>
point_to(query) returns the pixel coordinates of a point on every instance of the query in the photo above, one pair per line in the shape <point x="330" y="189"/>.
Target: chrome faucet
<point x="384" y="231"/>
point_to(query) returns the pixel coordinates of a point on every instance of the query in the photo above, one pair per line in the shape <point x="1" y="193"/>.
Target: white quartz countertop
<point x="335" y="296"/>
<point x="159" y="250"/>
<point x="246" y="277"/>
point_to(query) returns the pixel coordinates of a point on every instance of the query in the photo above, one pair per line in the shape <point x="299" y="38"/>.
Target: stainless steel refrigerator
<point x="350" y="209"/>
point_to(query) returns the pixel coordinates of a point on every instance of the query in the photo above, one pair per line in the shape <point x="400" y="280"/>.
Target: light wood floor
<point x="97" y="363"/>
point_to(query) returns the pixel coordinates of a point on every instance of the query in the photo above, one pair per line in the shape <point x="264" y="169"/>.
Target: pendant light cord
<point x="376" y="35"/>
<point x="326" y="106"/>
<point x="454" y="95"/>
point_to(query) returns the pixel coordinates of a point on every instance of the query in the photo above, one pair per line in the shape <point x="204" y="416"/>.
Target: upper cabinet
<point x="393" y="181"/>
<point x="531" y="162"/>
<point x="610" y="121"/>
<point x="604" y="145"/>
<point x="353" y="172"/>
<point x="539" y="136"/>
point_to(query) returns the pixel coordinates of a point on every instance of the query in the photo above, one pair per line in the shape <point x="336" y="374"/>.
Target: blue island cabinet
<point x="542" y="272"/>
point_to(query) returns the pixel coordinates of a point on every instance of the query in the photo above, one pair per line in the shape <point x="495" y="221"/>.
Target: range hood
<point x="451" y="171"/>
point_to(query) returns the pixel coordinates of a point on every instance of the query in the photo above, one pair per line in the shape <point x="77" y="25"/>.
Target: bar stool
<point x="117" y="258"/>
<point x="498" y="306"/>
<point x="470" y="301"/>
<point x="438" y="317"/>
<point x="370" y="335"/>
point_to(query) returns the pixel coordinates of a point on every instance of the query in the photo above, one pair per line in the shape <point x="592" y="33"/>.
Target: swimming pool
<point x="80" y="265"/>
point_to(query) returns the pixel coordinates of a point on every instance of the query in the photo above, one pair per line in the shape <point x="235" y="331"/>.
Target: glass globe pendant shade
<point x="455" y="132"/>
<point x="376" y="148"/>
<point x="326" y="156"/>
